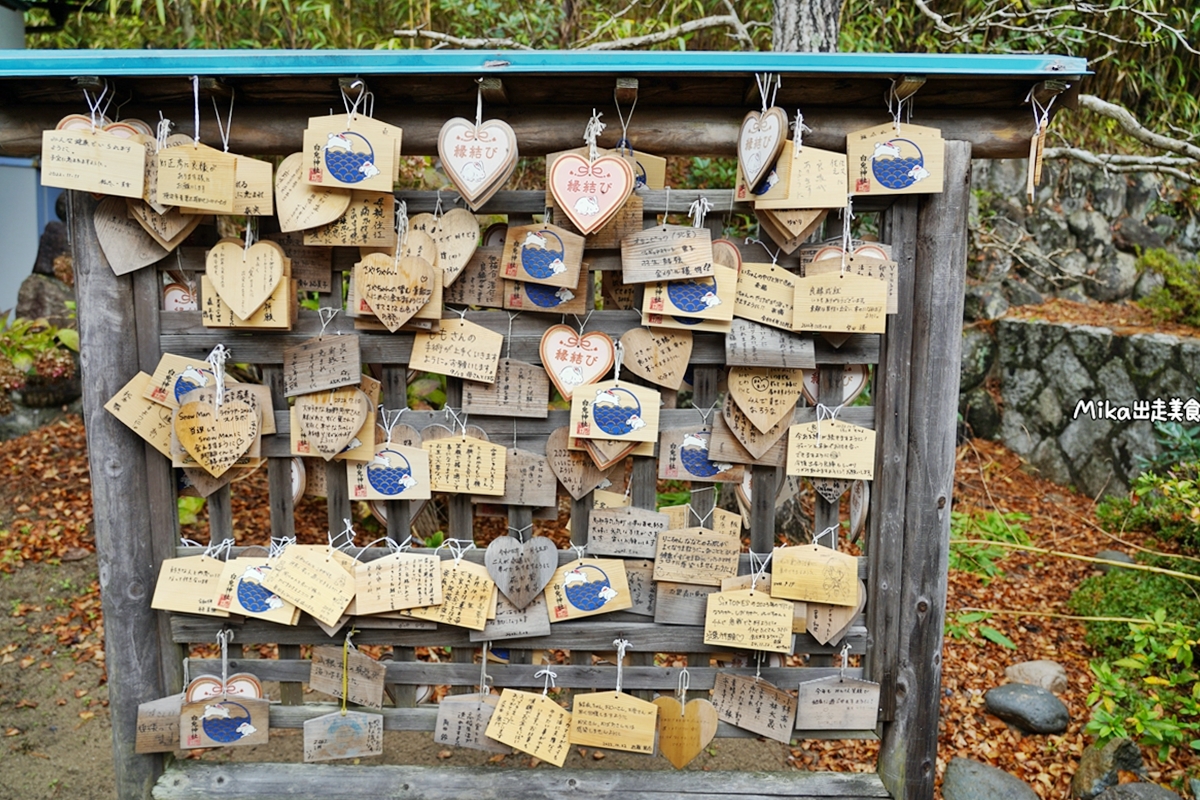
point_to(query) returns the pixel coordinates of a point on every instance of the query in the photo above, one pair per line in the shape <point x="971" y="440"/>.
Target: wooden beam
<point x="121" y="506"/>
<point x="908" y="756"/>
<point x="885" y="539"/>
<point x="493" y="91"/>
<point x="686" y="131"/>
<point x="346" y="782"/>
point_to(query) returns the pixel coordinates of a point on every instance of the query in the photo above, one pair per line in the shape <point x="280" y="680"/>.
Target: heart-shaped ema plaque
<point x="455" y="236"/>
<point x="660" y="356"/>
<point x="329" y="420"/>
<point x="216" y="438"/>
<point x="239" y="684"/>
<point x="521" y="570"/>
<point x="684" y="731"/>
<point x="831" y="489"/>
<point x="477" y="158"/>
<point x="244" y="277"/>
<point x="125" y="243"/>
<point x="573" y="360"/>
<point x="590" y="192"/>
<point x="574" y="469"/>
<point x="300" y="205"/>
<point x="766" y="395"/>
<point x="854" y="380"/>
<point x="169" y="228"/>
<point x="759" y="143"/>
<point x="394" y="288"/>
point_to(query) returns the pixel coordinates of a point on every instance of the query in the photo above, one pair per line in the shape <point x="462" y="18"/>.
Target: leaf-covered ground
<point x="53" y="702"/>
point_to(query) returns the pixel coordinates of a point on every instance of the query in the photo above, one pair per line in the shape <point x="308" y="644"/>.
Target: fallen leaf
<point x="13" y="732"/>
<point x="80" y="693"/>
<point x="443" y="754"/>
<point x="598" y="755"/>
<point x="86" y="715"/>
<point x="26" y="662"/>
<point x="25" y="702"/>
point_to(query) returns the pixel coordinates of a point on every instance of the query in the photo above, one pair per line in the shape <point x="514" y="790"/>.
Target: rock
<point x="1072" y="264"/>
<point x="1019" y="386"/>
<point x="1048" y="408"/>
<point x="980" y="413"/>
<point x="970" y="780"/>
<point x="989" y="264"/>
<point x="1097" y="478"/>
<point x="1081" y="435"/>
<point x="1074" y="293"/>
<point x="1135" y="444"/>
<point x="1098" y="767"/>
<point x="1148" y="283"/>
<point x="1114" y="278"/>
<point x="1109" y="191"/>
<point x="1164" y="225"/>
<point x="1046" y="674"/>
<point x="1149" y="353"/>
<point x="1050" y="230"/>
<point x="978" y="355"/>
<point x="1137" y="791"/>
<point x="1015" y="434"/>
<point x="1004" y="177"/>
<point x="22" y="420"/>
<point x="1093" y="235"/>
<point x="1092" y="345"/>
<point x="1141" y="193"/>
<point x="1115" y="383"/>
<point x="1050" y="463"/>
<point x="1194" y="785"/>
<point x="1066" y="374"/>
<point x="51" y="245"/>
<point x="1136" y="237"/>
<point x="41" y="296"/>
<point x="984" y="301"/>
<point x="1112" y="555"/>
<point x="1020" y="293"/>
<point x="1030" y="708"/>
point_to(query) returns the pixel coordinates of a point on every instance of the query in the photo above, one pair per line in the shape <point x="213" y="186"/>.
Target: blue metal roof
<point x="67" y="63"/>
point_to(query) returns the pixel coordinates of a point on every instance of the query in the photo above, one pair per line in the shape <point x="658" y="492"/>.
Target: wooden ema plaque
<point x="198" y="177"/>
<point x="831" y="449"/>
<point x="158" y="725"/>
<point x="244" y="277"/>
<point x="895" y="159"/>
<point x="865" y="266"/>
<point x="840" y="704"/>
<point x="814" y="573"/>
<point x="533" y="724"/>
<point x="521" y="570"/>
<point x="363" y="676"/>
<point x="125" y="243"/>
<point x="351" y="151"/>
<point x="468" y="594"/>
<point x="755" y="705"/>
<point x="659" y="356"/>
<point x="149" y="420"/>
<point x="613" y="720"/>
<point x="329" y="420"/>
<point x="681" y="603"/>
<point x="344" y="734"/>
<point x="587" y="586"/>
<point x="528" y="481"/>
<point x="396" y="582"/>
<point x="460" y="349"/>
<point x="643" y="591"/>
<point x="575" y="470"/>
<point x="816" y="179"/>
<point x="749" y="620"/>
<point x="224" y="722"/>
<point x="326" y="362"/>
<point x="766" y="294"/>
<point x="696" y="555"/>
<point x="627" y="532"/>
<point x="301" y="205"/>
<point x="666" y="253"/>
<point x="543" y="254"/>
<point x="710" y="298"/>
<point x="829" y="623"/>
<point x="396" y="473"/>
<point x="311" y="578"/>
<point x="763" y="584"/>
<point x="841" y="303"/>
<point x="312" y="267"/>
<point x="369" y="221"/>
<point x="615" y="411"/>
<point x="684" y="731"/>
<point x="93" y="161"/>
<point x="462" y="721"/>
<point x="750" y="344"/>
<point x="527" y="296"/>
<point x="242" y="592"/>
<point x="517" y="385"/>
<point x="683" y="454"/>
<point x="189" y="585"/>
<point x="455" y="236"/>
<point x="480" y="283"/>
<point x="465" y="465"/>
<point x="515" y="623"/>
<point x="766" y="395"/>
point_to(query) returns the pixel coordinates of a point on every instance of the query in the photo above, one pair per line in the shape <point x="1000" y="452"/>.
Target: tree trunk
<point x="806" y="26"/>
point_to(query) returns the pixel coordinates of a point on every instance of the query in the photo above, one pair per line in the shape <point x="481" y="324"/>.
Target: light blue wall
<point x="19" y="228"/>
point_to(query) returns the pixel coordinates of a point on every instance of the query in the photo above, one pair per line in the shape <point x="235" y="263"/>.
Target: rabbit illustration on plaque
<point x="227" y="722"/>
<point x="898" y="163"/>
<point x="613" y="416"/>
<point x="587" y="587"/>
<point x="388" y="477"/>
<point x="541" y="257"/>
<point x="548" y="296"/>
<point x="693" y="295"/>
<point x="693" y="454"/>
<point x="344" y="162"/>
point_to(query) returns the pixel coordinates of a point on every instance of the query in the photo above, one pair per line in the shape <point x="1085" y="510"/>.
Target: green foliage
<point x="673" y="493"/>
<point x="427" y="393"/>
<point x="189" y="510"/>
<point x="1151" y="693"/>
<point x="992" y="526"/>
<point x="1179" y="299"/>
<point x="1132" y="595"/>
<point x="968" y="626"/>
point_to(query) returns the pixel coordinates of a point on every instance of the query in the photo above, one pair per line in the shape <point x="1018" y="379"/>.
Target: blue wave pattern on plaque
<point x="345" y="157"/>
<point x="588" y="595"/>
<point x="694" y="457"/>
<point x="690" y="295"/>
<point x="896" y="171"/>
<point x="390" y="480"/>
<point x="614" y="418"/>
<point x="537" y="258"/>
<point x="225" y="729"/>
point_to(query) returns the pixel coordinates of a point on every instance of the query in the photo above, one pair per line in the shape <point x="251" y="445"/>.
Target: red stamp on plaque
<point x="656" y="304"/>
<point x="510" y="269"/>
<point x="315" y="176"/>
<point x="302" y="447"/>
<point x="560" y="612"/>
<point x="862" y="185"/>
<point x="583" y="429"/>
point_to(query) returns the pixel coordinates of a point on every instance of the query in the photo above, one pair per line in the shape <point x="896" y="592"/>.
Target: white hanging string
<point x="161" y="131"/>
<point x="216" y="362"/>
<point x="186" y="542"/>
<point x="401" y="224"/>
<point x="798" y="131"/>
<point x="824" y="412"/>
<point x="457" y="547"/>
<point x="624" y="121"/>
<point x="519" y="533"/>
<point x="251" y="222"/>
<point x="618" y="359"/>
<point x="326" y="314"/>
<point x="548" y="684"/>
<point x="758" y="568"/>
<point x="767" y="83"/>
<point x="898" y="107"/>
<point x="196" y="110"/>
<point x="278" y="545"/>
<point x="437" y="209"/>
<point x="580" y="550"/>
<point x="583" y="324"/>
<point x="847" y="242"/>
<point x="622" y="645"/>
<point x="224" y="637"/>
<point x="512" y="315"/>
<point x="667" y="208"/>
<point x="832" y="530"/>
<point x="388" y="419"/>
<point x="351" y="110"/>
<point x="681" y="688"/>
<point x="94" y="107"/>
<point x="218" y="550"/>
<point x="773" y="254"/>
<point x="758" y="659"/>
<point x="845" y="659"/>
<point x="483" y="676"/>
<point x="706" y="415"/>
<point x="342" y="540"/>
<point x="592" y="132"/>
<point x="223" y="130"/>
<point x="478" y="102"/>
<point x="698" y="210"/>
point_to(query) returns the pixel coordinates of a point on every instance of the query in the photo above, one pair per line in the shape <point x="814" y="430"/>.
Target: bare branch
<point x="607" y="24"/>
<point x="458" y="41"/>
<point x="729" y="20"/>
<point x="1130" y="125"/>
<point x="739" y="30"/>
<point x="1162" y="165"/>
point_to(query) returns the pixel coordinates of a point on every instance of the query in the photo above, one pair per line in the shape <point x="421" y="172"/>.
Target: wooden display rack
<point x="689" y="104"/>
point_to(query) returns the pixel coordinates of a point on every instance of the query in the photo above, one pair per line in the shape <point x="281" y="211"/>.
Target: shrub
<point x="1135" y="595"/>
<point x="992" y="526"/>
<point x="1179" y="299"/>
